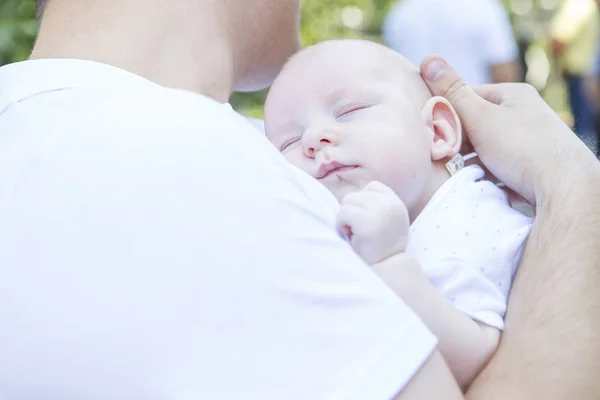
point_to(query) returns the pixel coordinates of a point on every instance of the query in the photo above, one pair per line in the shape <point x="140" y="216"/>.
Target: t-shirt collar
<point x="21" y="80"/>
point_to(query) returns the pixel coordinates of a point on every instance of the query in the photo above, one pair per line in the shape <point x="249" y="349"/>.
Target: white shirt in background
<point x="469" y="242"/>
<point x="154" y="245"/>
<point x="473" y="35"/>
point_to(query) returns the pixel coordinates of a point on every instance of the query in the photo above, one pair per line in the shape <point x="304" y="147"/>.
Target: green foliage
<point x="18" y="29"/>
<point x="321" y="20"/>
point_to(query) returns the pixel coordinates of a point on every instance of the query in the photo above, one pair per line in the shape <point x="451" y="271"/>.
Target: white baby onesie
<point x="469" y="242"/>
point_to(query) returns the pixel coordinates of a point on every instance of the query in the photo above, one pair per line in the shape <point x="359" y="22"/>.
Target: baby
<point x="358" y="117"/>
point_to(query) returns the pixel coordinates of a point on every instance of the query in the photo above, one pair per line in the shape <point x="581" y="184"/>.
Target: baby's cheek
<point x="400" y="177"/>
<point x="296" y="158"/>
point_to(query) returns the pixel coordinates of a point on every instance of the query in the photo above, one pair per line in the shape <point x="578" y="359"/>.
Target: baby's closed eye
<point x="349" y="109"/>
<point x="288" y="144"/>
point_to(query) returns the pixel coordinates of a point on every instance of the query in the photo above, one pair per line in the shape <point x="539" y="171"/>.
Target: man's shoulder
<point x="68" y="91"/>
<point x="164" y="106"/>
<point x="146" y="113"/>
<point x="169" y="123"/>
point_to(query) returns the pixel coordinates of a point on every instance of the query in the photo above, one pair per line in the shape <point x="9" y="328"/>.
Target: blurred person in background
<point x="592" y="91"/>
<point x="474" y="35"/>
<point x="574" y="36"/>
<point x="591" y="88"/>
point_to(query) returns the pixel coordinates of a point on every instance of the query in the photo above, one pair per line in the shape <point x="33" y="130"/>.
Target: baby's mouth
<point x="334" y="167"/>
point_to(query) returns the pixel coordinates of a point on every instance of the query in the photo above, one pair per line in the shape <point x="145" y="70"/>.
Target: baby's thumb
<point x="444" y="81"/>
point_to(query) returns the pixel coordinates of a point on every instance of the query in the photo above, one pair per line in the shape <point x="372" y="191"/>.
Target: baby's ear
<point x="441" y="118"/>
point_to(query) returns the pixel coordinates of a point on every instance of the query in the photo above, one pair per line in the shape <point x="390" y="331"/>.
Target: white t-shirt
<point x="154" y="245"/>
<point x="473" y="35"/>
<point x="469" y="242"/>
<point x="257" y="123"/>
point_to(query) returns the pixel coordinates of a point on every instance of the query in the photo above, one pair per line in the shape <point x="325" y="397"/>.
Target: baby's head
<point x="351" y="112"/>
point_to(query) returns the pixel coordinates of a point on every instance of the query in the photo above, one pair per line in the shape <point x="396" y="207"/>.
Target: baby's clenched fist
<point x="376" y="222"/>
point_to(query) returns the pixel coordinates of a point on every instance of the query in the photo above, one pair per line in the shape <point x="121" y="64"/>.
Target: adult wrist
<point x="571" y="182"/>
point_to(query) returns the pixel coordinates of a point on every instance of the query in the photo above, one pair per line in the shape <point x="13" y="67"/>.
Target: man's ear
<point x="441" y="118"/>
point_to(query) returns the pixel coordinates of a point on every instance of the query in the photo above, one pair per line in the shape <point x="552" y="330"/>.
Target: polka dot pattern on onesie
<point x="469" y="241"/>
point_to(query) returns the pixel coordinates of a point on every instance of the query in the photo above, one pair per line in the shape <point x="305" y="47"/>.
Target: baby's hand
<point x="376" y="221"/>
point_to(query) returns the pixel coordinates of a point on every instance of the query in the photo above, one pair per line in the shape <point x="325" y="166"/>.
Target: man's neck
<point x="177" y="44"/>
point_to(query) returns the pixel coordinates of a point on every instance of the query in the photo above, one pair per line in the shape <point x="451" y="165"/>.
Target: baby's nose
<point x="315" y="141"/>
<point x="321" y="144"/>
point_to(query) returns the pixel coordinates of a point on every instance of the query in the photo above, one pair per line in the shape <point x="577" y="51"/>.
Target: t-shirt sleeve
<point x="335" y="310"/>
<point x="162" y="261"/>
<point x="500" y="44"/>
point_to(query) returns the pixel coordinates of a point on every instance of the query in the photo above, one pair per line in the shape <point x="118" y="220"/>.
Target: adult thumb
<point x="444" y="81"/>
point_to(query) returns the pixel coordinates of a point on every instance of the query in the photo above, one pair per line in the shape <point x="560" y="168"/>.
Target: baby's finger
<point x="360" y="199"/>
<point x="375" y="197"/>
<point x="378" y="187"/>
<point x="353" y="219"/>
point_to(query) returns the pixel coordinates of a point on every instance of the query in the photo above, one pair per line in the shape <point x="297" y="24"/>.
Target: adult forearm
<point x="551" y="346"/>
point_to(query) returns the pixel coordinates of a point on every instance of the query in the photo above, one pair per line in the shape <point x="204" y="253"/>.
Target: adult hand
<point x="524" y="143"/>
<point x="518" y="137"/>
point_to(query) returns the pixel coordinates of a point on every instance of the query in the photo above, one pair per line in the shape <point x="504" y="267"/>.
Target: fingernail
<point x="435" y="69"/>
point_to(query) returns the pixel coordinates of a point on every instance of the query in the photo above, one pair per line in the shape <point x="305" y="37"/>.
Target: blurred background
<point x="556" y="42"/>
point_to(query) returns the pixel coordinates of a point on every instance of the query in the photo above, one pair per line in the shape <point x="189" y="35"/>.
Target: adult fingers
<point x="353" y="217"/>
<point x="444" y="81"/>
<point x="491" y="92"/>
<point x="499" y="93"/>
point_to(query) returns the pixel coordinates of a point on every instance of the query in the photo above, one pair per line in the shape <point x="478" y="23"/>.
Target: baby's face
<point x="348" y="113"/>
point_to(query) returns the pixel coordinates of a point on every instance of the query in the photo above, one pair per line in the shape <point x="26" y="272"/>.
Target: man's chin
<point x="256" y="81"/>
<point x="263" y="76"/>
